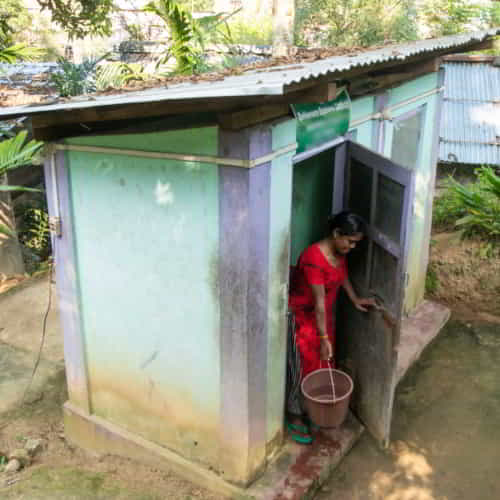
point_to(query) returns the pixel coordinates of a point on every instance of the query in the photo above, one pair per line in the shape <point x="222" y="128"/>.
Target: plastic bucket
<point x="318" y="398"/>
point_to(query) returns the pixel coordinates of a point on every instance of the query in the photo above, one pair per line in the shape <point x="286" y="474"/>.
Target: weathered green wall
<point x="361" y="108"/>
<point x="147" y="236"/>
<point x="311" y="202"/>
<point x="424" y="189"/>
<point x="283" y="134"/>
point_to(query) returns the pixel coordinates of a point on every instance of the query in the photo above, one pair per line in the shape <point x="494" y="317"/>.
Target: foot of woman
<point x="299" y="431"/>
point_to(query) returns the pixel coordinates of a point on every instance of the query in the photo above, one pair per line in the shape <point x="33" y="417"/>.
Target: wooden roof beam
<point x="239" y="119"/>
<point x="389" y="78"/>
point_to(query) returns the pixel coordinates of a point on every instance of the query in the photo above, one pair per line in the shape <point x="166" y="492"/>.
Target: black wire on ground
<point x="42" y="341"/>
<point x="44" y="329"/>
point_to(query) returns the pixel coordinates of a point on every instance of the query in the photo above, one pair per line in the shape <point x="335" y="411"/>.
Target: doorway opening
<point x="343" y="175"/>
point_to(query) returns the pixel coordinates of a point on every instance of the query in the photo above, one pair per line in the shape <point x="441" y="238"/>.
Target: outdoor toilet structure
<point x="176" y="215"/>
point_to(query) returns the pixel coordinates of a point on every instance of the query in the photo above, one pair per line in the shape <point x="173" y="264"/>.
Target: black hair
<point x="346" y="223"/>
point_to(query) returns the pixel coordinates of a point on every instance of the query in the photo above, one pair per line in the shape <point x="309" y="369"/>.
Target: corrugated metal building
<point x="470" y="123"/>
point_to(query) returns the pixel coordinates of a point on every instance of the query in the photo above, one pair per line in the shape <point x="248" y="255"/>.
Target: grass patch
<point x="431" y="280"/>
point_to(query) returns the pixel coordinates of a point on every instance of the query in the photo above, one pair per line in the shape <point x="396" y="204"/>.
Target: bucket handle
<point x="331" y="379"/>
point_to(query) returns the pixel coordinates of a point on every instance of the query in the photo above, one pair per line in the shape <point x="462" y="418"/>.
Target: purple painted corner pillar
<point x="57" y="184"/>
<point x="244" y="205"/>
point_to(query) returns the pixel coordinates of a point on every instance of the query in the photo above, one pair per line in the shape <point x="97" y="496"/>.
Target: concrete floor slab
<point x="417" y="331"/>
<point x="300" y="470"/>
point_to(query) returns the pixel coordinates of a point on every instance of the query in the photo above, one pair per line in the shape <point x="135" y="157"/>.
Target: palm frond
<point x="4" y="188"/>
<point x="6" y="230"/>
<point x="16" y="151"/>
<point x="491" y="180"/>
<point x="20" y="52"/>
<point x="117" y="74"/>
<point x="180" y="26"/>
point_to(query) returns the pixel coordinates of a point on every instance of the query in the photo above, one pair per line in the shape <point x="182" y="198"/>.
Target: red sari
<point x="313" y="268"/>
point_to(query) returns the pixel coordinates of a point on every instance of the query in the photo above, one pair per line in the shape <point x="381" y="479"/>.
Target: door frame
<point x="343" y="147"/>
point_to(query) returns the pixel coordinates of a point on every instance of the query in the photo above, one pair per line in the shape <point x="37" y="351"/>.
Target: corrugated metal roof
<point x="470" y="119"/>
<point x="270" y="81"/>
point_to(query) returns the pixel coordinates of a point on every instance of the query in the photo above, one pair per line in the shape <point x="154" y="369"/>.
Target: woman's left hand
<point x="362" y="304"/>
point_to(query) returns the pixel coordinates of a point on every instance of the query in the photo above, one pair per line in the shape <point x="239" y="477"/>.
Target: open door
<point x="381" y="192"/>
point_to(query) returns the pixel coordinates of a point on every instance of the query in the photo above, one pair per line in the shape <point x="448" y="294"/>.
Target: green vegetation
<point x="450" y="17"/>
<point x="475" y="207"/>
<point x="180" y="25"/>
<point x="13" y="18"/>
<point x="73" y="79"/>
<point x="20" y="52"/>
<point x="33" y="232"/>
<point x="371" y="22"/>
<point x="197" y="5"/>
<point x="15" y="152"/>
<point x="89" y="76"/>
<point x="81" y="18"/>
<point x="431" y="280"/>
<point x="117" y="74"/>
<point x="355" y="22"/>
<point x="189" y="35"/>
<point x="258" y="31"/>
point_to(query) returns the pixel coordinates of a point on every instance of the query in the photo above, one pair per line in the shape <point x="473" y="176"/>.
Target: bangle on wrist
<point x="323" y="336"/>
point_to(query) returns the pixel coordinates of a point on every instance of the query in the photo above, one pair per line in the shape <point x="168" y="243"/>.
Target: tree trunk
<point x="283" y="27"/>
<point x="11" y="259"/>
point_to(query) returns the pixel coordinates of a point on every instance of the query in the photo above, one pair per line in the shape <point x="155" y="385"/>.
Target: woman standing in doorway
<point x="321" y="270"/>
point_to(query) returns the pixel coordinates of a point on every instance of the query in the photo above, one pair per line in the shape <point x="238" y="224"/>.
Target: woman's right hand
<point x="326" y="351"/>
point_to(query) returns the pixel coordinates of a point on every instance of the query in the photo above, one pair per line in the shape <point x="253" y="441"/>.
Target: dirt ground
<point x="444" y="429"/>
<point x="445" y="420"/>
<point x="59" y="471"/>
<point x="466" y="276"/>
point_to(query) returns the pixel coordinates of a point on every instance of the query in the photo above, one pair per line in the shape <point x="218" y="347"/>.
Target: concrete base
<point x="417" y="331"/>
<point x="296" y="472"/>
<point x="300" y="470"/>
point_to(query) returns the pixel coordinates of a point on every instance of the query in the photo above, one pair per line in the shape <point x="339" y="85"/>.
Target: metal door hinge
<point x="407" y="279"/>
<point x="55" y="226"/>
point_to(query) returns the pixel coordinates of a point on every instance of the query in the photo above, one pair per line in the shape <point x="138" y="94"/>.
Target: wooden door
<point x="382" y="193"/>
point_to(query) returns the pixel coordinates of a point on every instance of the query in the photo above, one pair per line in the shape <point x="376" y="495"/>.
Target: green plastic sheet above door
<point x="320" y="123"/>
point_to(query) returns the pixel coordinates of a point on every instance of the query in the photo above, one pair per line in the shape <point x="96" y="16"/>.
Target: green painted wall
<point x="311" y="201"/>
<point x="364" y="133"/>
<point x="149" y="228"/>
<point x="424" y="189"/>
<point x="279" y="255"/>
<point x="362" y="107"/>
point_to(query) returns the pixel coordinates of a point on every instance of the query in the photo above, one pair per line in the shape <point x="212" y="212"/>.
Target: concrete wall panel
<point x="147" y="237"/>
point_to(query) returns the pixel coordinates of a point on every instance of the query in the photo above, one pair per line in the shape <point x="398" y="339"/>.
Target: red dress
<point x="313" y="268"/>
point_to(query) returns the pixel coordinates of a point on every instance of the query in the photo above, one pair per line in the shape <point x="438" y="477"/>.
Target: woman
<point x="320" y="272"/>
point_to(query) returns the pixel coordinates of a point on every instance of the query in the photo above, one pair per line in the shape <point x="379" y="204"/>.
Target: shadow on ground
<point x="444" y="430"/>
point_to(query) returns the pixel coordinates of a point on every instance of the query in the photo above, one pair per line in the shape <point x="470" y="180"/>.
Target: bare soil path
<point x="445" y="427"/>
